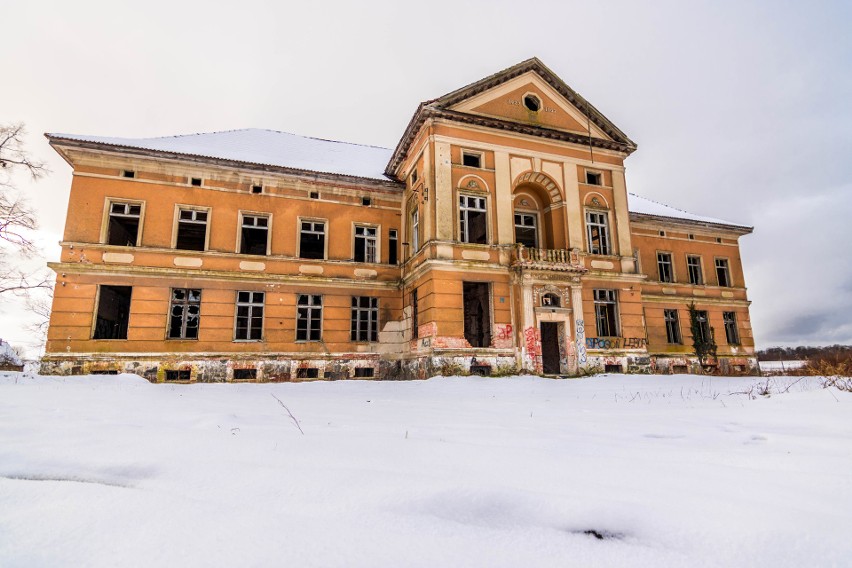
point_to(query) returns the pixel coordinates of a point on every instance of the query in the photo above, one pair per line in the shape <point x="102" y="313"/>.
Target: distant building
<point x="9" y="360"/>
<point x="498" y="235"/>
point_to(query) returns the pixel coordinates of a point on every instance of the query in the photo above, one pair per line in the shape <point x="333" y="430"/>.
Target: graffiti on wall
<point x="502" y="335"/>
<point x="616" y="342"/>
<point x="580" y="334"/>
<point x="532" y="342"/>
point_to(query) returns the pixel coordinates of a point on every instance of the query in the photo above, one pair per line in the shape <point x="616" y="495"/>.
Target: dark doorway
<point x="113" y="312"/>
<point x="477" y="314"/>
<point x="550" y="348"/>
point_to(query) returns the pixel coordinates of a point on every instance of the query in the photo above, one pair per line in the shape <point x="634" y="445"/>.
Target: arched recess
<point x="537" y="194"/>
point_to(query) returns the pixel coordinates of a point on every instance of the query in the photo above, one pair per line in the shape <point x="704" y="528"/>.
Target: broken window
<point x="704" y="333"/>
<point x="597" y="227"/>
<point x="185" y="313"/>
<point x="693" y="266"/>
<point x="195" y="182"/>
<point x="365" y="244"/>
<point x="477" y="314"/>
<point x="550" y="300"/>
<point x="249" y="321"/>
<point x="393" y="246"/>
<point x="606" y="313"/>
<point x="594" y="178"/>
<point x="415" y="321"/>
<point x="472" y="219"/>
<point x="472" y="159"/>
<point x="365" y="319"/>
<point x="664" y="266"/>
<point x="672" y="327"/>
<point x="113" y="312"/>
<point x="312" y="239"/>
<point x="526" y="232"/>
<point x="415" y="231"/>
<point x="309" y="318"/>
<point x="731" y="332"/>
<point x="254" y="236"/>
<point x="123" y="225"/>
<point x="723" y="273"/>
<point x="191" y="229"/>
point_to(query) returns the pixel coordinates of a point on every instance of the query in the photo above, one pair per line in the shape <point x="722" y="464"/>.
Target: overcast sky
<point x="741" y="110"/>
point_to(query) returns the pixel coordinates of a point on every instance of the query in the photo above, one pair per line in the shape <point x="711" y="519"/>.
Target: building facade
<point x="497" y="237"/>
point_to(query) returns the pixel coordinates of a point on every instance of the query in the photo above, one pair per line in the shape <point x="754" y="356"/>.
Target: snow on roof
<point x="644" y="206"/>
<point x="267" y="147"/>
<point x="8" y="355"/>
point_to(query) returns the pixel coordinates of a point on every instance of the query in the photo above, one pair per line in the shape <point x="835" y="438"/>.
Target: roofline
<point x="666" y="220"/>
<point x="56" y="141"/>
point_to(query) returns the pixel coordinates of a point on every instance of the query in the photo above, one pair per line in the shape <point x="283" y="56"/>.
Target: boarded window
<point x="365" y="244"/>
<point x="123" y="225"/>
<point x="312" y="239"/>
<point x="254" y="234"/>
<point x="191" y="229"/>
<point x="249" y="321"/>
<point x="472" y="220"/>
<point x="365" y="319"/>
<point x="185" y="313"/>
<point x="309" y="318"/>
<point x="477" y="314"/>
<point x="113" y="312"/>
<point x="606" y="313"/>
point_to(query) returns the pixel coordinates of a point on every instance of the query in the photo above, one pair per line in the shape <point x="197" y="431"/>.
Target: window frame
<point x="108" y="201"/>
<point x="536" y="226"/>
<point x="186" y="304"/>
<point x="98" y="307"/>
<point x="613" y="302"/>
<point x="473" y="154"/>
<point x="176" y="225"/>
<point x="393" y="246"/>
<point x="671" y="263"/>
<point x="731" y="328"/>
<point x="700" y="267"/>
<point x="727" y="261"/>
<point x="414" y="230"/>
<point x="674" y="336"/>
<point x="325" y="224"/>
<point x="414" y="302"/>
<point x="599" y="173"/>
<point x="242" y="215"/>
<point x="251" y="305"/>
<point x="706" y="330"/>
<point x="607" y="225"/>
<point x="310" y="318"/>
<point x="377" y="239"/>
<point x="460" y="211"/>
<point x="372" y="322"/>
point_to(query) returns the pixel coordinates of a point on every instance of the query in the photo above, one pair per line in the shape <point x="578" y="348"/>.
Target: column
<point x="579" y="326"/>
<point x="622" y="221"/>
<point x="503" y="199"/>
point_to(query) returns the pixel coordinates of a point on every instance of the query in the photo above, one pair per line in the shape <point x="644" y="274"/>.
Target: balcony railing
<point x="549" y="259"/>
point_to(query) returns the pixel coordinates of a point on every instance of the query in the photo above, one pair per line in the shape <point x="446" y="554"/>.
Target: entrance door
<point x="477" y="314"/>
<point x="550" y="348"/>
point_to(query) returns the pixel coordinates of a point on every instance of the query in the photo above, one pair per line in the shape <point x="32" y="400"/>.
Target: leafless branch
<point x="293" y="418"/>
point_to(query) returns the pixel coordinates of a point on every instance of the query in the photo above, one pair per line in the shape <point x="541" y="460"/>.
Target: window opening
<point x="312" y="239"/>
<point x="123" y="225"/>
<point x="532" y="102"/>
<point x="526" y="232"/>
<point x="191" y="229"/>
<point x="257" y="189"/>
<point x="113" y="312"/>
<point x="731" y="332"/>
<point x="366" y="201"/>
<point x="254" y="235"/>
<point x="413" y="177"/>
<point x="477" y="314"/>
<point x="664" y="266"/>
<point x="393" y="246"/>
<point x="471" y="159"/>
<point x="365" y="319"/>
<point x="693" y="266"/>
<point x="415" y="231"/>
<point x="314" y="195"/>
<point x="594" y="178"/>
<point x="245" y="374"/>
<point x="606" y="313"/>
<point x="309" y="318"/>
<point x="672" y="327"/>
<point x="128" y="174"/>
<point x="364" y="372"/>
<point x="704" y="334"/>
<point x="248" y="325"/>
<point x="597" y="226"/>
<point x="307" y="373"/>
<point x="472" y="223"/>
<point x="185" y="313"/>
<point x="178" y="375"/>
<point x="195" y="181"/>
<point x="723" y="273"/>
<point x="415" y="317"/>
<point x="550" y="300"/>
<point x="365" y="244"/>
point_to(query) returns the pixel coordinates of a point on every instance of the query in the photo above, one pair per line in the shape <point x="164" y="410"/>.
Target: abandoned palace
<point x="498" y="236"/>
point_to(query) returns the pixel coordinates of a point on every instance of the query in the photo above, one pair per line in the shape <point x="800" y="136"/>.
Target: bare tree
<point x="17" y="217"/>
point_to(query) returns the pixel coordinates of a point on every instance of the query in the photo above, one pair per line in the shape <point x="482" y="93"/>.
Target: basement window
<point x="113" y="312"/>
<point x="312" y="240"/>
<point x="245" y="374"/>
<point x="364" y="372"/>
<point x="471" y="159"/>
<point x="191" y="229"/>
<point x="613" y="369"/>
<point x="179" y="375"/>
<point x="594" y="178"/>
<point x="128" y="174"/>
<point x="481" y="370"/>
<point x="123" y="224"/>
<point x="307" y="373"/>
<point x="257" y="189"/>
<point x="532" y="103"/>
<point x="254" y="236"/>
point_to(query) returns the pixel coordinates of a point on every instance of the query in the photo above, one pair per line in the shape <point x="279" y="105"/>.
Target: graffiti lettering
<point x="504" y="332"/>
<point x="581" y="344"/>
<point x="616" y="342"/>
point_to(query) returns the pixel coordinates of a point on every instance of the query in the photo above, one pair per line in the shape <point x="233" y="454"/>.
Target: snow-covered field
<point x="781" y="366"/>
<point x="671" y="471"/>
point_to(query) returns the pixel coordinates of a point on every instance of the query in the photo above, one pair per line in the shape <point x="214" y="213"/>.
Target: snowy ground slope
<point x="114" y="471"/>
